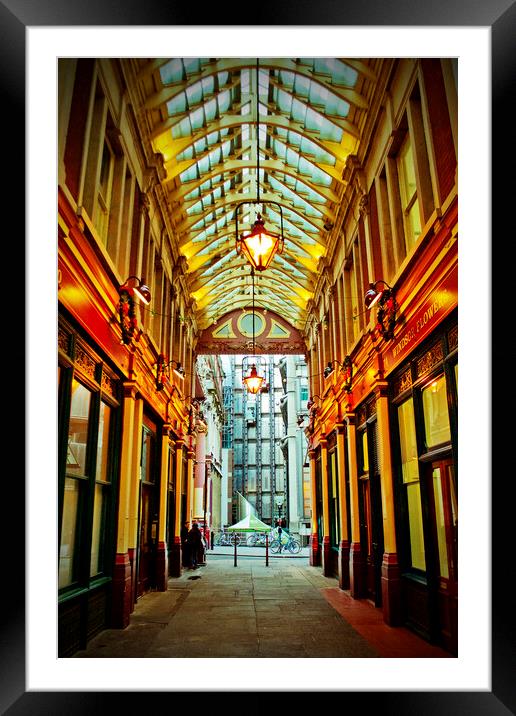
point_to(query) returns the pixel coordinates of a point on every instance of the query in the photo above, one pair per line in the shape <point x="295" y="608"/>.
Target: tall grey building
<point x="267" y="445"/>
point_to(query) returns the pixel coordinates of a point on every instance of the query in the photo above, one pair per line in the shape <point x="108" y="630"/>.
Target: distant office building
<point x="262" y="443"/>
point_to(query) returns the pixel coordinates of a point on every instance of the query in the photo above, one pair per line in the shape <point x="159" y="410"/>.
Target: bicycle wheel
<point x="216" y="540"/>
<point x="274" y="546"/>
<point x="234" y="539"/>
<point x="294" y="546"/>
<point x="251" y="540"/>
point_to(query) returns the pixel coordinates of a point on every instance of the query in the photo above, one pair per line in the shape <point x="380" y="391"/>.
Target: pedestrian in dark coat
<point x="194" y="543"/>
<point x="185" y="547"/>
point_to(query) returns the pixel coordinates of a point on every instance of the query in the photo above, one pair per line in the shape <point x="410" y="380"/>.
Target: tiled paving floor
<point x="254" y="610"/>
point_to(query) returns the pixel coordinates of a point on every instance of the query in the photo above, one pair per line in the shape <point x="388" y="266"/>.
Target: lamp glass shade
<point x="143" y="293"/>
<point x="260" y="245"/>
<point x="179" y="371"/>
<point x="253" y="382"/>
<point x="372" y="296"/>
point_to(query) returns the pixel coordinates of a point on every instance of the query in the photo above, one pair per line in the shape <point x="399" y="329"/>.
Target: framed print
<point x="25" y="25"/>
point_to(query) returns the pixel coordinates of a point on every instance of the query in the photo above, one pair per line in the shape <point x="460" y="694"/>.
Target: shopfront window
<point x="97" y="535"/>
<point x="440" y="523"/>
<point x="88" y="410"/>
<point x="408" y="443"/>
<point x="78" y="429"/>
<point x="410" y="473"/>
<point x="101" y="491"/>
<point x="75" y="482"/>
<point x="435" y="408"/>
<point x="68" y="533"/>
<point x="364" y="453"/>
<point x="417" y="543"/>
<point x="147" y="459"/>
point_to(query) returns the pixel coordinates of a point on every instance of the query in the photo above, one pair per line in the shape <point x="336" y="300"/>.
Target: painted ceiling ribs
<point x="205" y="117"/>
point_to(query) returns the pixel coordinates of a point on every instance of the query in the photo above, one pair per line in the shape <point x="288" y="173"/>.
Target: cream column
<point x="161" y="555"/>
<point x="190" y="484"/>
<point x="382" y="414"/>
<point x="391" y="592"/>
<point x="343" y="509"/>
<point x="179" y="484"/>
<point x="134" y="498"/>
<point x="314" y="540"/>
<point x="200" y="474"/>
<point x="122" y="578"/>
<point x="326" y="508"/>
<point x="356" y="558"/>
<point x="163" y="485"/>
<point x="175" y="547"/>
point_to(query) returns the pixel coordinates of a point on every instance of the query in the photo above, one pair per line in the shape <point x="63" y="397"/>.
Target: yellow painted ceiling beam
<point x="164" y="143"/>
<point x="230" y="278"/>
<point x="231" y="199"/>
<point x="237" y="166"/>
<point x="341" y="122"/>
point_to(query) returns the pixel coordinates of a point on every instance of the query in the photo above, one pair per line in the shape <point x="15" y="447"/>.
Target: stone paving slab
<point x="248" y="611"/>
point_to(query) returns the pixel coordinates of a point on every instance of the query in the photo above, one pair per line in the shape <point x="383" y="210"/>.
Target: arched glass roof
<point x="210" y="119"/>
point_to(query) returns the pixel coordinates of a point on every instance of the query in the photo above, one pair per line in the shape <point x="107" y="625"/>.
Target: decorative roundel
<point x="245" y="324"/>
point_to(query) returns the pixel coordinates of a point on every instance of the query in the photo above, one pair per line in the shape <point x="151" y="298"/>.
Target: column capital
<point x="180" y="442"/>
<point x="381" y="389"/>
<point x="130" y="389"/>
<point x="350" y="418"/>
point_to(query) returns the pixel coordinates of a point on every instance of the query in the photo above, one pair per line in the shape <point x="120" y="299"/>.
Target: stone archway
<point x="233" y="335"/>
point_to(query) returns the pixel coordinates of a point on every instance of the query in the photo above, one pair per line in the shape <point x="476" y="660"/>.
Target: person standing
<point x="194" y="544"/>
<point x="184" y="545"/>
<point x="280" y="531"/>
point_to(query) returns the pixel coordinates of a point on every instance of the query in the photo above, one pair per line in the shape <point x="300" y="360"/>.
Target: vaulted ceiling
<point x="205" y="116"/>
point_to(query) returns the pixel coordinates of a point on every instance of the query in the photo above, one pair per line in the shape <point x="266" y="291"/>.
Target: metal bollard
<point x="235" y="551"/>
<point x="266" y="549"/>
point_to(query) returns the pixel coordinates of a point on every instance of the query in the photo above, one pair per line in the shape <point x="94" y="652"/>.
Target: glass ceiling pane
<point x="297" y="200"/>
<point x="182" y="129"/>
<point x="194" y="94"/>
<point x="341" y="73"/>
<point x="172" y="71"/>
<point x="222" y="78"/>
<point x="189" y="174"/>
<point x="177" y="104"/>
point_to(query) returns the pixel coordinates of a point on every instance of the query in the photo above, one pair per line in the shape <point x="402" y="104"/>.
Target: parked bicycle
<point x="226" y="539"/>
<point x="256" y="539"/>
<point x="287" y="542"/>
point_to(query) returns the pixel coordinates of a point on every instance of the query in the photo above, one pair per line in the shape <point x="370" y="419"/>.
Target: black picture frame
<point x="500" y="16"/>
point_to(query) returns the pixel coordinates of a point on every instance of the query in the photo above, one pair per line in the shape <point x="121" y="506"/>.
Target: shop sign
<point x="437" y="306"/>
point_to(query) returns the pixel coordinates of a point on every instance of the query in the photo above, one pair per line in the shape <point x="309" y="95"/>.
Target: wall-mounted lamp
<point x="141" y="290"/>
<point x="311" y="402"/>
<point x="162" y="371"/>
<point x="301" y="419"/>
<point x="346" y="368"/>
<point x="260" y="245"/>
<point x="387" y="307"/>
<point x="126" y="312"/>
